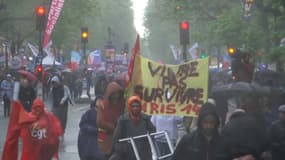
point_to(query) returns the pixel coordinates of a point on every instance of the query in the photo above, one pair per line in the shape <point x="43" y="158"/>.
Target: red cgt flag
<point x="135" y="52"/>
<point x="18" y="117"/>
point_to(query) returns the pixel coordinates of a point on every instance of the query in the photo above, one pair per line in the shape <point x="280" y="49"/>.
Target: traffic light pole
<point x="40" y="26"/>
<point x="84" y="53"/>
<point x="184" y="37"/>
<point x="40" y="45"/>
<point x="40" y="55"/>
<point x="184" y="49"/>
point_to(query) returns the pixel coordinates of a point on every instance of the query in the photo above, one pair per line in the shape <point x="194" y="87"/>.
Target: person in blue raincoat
<point x="87" y="138"/>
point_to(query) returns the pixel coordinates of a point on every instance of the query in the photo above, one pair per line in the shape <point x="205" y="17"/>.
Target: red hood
<point x="112" y="88"/>
<point x="38" y="103"/>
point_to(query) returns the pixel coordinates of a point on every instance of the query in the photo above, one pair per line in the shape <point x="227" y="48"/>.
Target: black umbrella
<point x="237" y="88"/>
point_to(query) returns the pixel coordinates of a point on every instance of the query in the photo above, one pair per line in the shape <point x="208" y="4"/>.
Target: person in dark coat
<point x="277" y="136"/>
<point x="100" y="84"/>
<point x="7" y="86"/>
<point x="131" y="124"/>
<point x="87" y="138"/>
<point x="201" y="143"/>
<point x="27" y="94"/>
<point x="59" y="96"/>
<point x="244" y="135"/>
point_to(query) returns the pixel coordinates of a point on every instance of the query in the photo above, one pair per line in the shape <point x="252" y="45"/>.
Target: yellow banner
<point x="170" y="89"/>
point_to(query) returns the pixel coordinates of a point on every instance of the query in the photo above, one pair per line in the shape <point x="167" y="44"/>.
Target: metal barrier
<point x="152" y="146"/>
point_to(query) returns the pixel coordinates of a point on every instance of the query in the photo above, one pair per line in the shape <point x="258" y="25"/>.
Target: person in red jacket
<point x="40" y="132"/>
<point x="108" y="113"/>
<point x="41" y="138"/>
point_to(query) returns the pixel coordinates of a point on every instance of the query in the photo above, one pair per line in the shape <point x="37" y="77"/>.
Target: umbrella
<point x="240" y="88"/>
<point x="30" y="76"/>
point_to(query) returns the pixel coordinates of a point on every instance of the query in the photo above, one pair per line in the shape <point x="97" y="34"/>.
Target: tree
<point x="215" y="24"/>
<point x="18" y="20"/>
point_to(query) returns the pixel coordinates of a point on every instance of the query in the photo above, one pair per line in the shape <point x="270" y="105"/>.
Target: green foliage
<point x="216" y="24"/>
<point x="95" y="14"/>
<point x="72" y="18"/>
<point x="119" y="17"/>
<point x="17" y="20"/>
<point x="277" y="54"/>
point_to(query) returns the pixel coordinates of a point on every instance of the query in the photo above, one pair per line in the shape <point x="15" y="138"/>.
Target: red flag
<point x="54" y="12"/>
<point x="18" y="114"/>
<point x="135" y="52"/>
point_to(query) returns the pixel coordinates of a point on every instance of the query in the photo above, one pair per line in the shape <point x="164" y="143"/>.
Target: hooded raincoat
<point x="196" y="146"/>
<point x="40" y="134"/>
<point x="108" y="114"/>
<point x="131" y="126"/>
<point x="87" y="138"/>
<point x="41" y="138"/>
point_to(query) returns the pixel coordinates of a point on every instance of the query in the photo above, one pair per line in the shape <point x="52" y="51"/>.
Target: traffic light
<point x="231" y="51"/>
<point x="84" y="35"/>
<point x="41" y="18"/>
<point x="203" y="55"/>
<point x="39" y="71"/>
<point x="184" y="32"/>
<point x="234" y="52"/>
<point x="242" y="69"/>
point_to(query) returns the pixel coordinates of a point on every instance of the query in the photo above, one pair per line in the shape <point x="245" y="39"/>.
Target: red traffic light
<point x="41" y="10"/>
<point x="39" y="69"/>
<point x="184" y="25"/>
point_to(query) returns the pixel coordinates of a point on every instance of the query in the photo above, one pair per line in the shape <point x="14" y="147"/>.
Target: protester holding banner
<point x="202" y="143"/>
<point x="131" y="124"/>
<point x="108" y="113"/>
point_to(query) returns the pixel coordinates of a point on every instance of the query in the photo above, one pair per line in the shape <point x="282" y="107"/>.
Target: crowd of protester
<point x="254" y="129"/>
